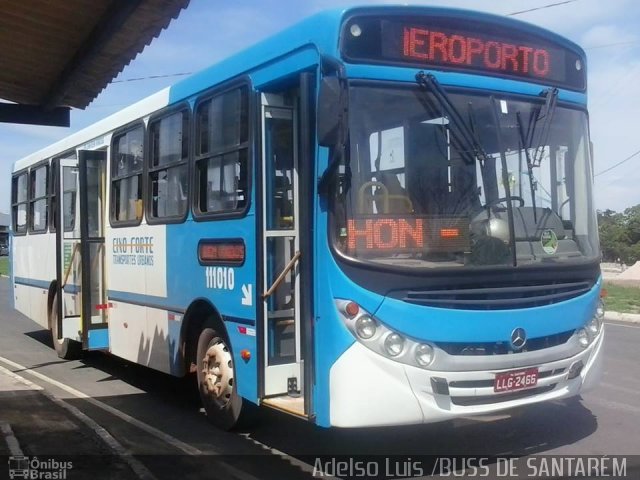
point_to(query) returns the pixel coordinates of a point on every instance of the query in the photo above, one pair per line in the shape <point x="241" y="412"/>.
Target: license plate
<point x="515" y="380"/>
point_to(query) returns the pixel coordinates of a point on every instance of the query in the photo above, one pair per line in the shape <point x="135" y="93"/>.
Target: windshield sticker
<point x="387" y="149"/>
<point x="549" y="241"/>
<point x="503" y="107"/>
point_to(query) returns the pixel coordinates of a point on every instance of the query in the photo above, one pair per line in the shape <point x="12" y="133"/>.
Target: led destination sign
<point x="465" y="45"/>
<point x="374" y="234"/>
<point x="437" y="47"/>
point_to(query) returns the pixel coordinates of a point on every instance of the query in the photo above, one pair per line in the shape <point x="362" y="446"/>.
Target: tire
<point x="216" y="381"/>
<point x="575" y="401"/>
<point x="66" y="348"/>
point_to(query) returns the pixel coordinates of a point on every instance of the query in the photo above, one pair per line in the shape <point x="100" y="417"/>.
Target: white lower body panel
<point x="32" y="302"/>
<point x="368" y="389"/>
<point x="22" y="300"/>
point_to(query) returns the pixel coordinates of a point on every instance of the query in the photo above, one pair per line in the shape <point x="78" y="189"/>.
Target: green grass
<point x="622" y="299"/>
<point x="4" y="265"/>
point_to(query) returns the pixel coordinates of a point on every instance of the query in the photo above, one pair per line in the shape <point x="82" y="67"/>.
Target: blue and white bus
<point x="380" y="216"/>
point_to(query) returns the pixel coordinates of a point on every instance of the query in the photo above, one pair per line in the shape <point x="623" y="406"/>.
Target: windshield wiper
<point x="529" y="165"/>
<point x="551" y="98"/>
<point x="467" y="135"/>
<point x="505" y="180"/>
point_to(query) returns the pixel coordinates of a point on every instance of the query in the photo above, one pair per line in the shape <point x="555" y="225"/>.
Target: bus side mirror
<point x="330" y="112"/>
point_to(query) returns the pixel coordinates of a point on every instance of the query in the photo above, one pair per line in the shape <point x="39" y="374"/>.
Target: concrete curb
<point x="622" y="317"/>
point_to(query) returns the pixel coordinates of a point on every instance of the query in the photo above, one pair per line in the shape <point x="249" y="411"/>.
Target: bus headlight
<point x="593" y="327"/>
<point x="366" y="327"/>
<point x="424" y="354"/>
<point x="393" y="344"/>
<point x="600" y="310"/>
<point x="378" y="337"/>
<point x="583" y="338"/>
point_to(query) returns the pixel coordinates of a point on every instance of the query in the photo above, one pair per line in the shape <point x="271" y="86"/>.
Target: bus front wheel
<point x="216" y="380"/>
<point x="65" y="347"/>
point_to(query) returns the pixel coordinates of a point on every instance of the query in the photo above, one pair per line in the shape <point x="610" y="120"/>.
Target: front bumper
<point x="368" y="389"/>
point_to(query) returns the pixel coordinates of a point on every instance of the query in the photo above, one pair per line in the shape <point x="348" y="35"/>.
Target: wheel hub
<point x="217" y="372"/>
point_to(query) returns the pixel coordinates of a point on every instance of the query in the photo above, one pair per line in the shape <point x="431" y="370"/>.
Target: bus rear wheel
<point x="216" y="380"/>
<point x="66" y="348"/>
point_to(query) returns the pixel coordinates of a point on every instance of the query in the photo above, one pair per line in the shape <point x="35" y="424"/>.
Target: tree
<point x="620" y="235"/>
<point x="633" y="223"/>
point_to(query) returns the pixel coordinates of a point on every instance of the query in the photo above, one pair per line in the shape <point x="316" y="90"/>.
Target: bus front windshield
<point x="477" y="180"/>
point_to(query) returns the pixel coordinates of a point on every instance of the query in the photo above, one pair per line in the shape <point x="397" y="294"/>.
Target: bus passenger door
<point x="81" y="269"/>
<point x="92" y="163"/>
<point x="69" y="271"/>
<point x="283" y="362"/>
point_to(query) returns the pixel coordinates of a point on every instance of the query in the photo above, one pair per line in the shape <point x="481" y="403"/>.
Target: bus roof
<point x="320" y="32"/>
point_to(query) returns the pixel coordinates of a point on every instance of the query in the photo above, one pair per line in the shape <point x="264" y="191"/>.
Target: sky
<point x="211" y="30"/>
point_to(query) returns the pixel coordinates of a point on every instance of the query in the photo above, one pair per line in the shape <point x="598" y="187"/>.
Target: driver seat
<point x="398" y="200"/>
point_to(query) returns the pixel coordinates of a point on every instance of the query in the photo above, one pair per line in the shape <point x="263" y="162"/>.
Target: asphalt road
<point x="605" y="422"/>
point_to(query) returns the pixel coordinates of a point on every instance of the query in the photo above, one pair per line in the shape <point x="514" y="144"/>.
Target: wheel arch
<point x="199" y="312"/>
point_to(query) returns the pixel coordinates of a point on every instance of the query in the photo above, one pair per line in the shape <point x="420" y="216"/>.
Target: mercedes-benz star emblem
<point x="518" y="338"/>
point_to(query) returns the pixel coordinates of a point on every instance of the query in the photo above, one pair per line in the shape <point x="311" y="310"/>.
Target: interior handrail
<point x="280" y="278"/>
<point x="76" y="246"/>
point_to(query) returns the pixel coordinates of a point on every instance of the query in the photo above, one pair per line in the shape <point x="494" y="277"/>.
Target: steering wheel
<point x="504" y="199"/>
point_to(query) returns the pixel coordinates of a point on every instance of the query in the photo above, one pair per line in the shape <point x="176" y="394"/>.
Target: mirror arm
<point x="330" y="171"/>
<point x="328" y="65"/>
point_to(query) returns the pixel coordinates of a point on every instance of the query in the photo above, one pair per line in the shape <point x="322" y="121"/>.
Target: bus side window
<point x="168" y="168"/>
<point x="126" y="177"/>
<point x="222" y="139"/>
<point x="69" y="189"/>
<point x="38" y="199"/>
<point x="19" y="201"/>
<point x="53" y="182"/>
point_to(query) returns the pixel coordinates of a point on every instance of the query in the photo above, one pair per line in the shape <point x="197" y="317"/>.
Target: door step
<point x="287" y="404"/>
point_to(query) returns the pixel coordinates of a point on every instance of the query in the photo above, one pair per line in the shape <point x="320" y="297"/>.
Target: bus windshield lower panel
<point x="418" y="190"/>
